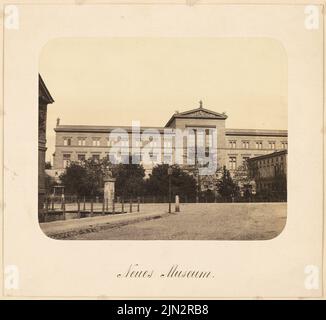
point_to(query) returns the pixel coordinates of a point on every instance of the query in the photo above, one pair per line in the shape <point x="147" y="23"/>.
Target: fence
<point x="71" y="207"/>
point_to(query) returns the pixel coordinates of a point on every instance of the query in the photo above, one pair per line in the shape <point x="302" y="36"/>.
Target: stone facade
<point x="44" y="98"/>
<point x="270" y="172"/>
<point x="233" y="146"/>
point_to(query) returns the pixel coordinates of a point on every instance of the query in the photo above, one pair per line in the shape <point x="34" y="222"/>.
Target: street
<point x="212" y="221"/>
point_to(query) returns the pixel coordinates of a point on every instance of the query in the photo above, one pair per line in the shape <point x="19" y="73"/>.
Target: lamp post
<point x="170" y="175"/>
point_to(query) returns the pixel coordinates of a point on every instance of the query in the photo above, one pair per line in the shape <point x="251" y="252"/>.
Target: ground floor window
<point x="81" y="157"/>
<point x="66" y="160"/>
<point x="232" y="163"/>
<point x="96" y="157"/>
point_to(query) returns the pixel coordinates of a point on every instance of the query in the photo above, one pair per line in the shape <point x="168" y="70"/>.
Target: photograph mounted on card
<point x="168" y="150"/>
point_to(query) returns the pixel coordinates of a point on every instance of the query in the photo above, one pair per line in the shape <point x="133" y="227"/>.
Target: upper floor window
<point x="232" y="144"/>
<point x="124" y="143"/>
<point x="245" y="144"/>
<point x="155" y="143"/>
<point x="191" y="139"/>
<point x="167" y="144"/>
<point x="284" y="145"/>
<point x="208" y="139"/>
<point x="96" y="142"/>
<point x="272" y="145"/>
<point x="137" y="143"/>
<point x="259" y="145"/>
<point x="67" y="141"/>
<point x="82" y="141"/>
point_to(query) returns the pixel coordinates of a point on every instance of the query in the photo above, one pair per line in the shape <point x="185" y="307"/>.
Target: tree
<point x="129" y="179"/>
<point x="241" y="175"/>
<point x="49" y="184"/>
<point x="75" y="180"/>
<point x="226" y="186"/>
<point x="48" y="165"/>
<point x="87" y="178"/>
<point x="182" y="183"/>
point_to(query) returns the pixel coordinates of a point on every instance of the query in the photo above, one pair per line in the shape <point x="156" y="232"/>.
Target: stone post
<point x="109" y="189"/>
<point x="177" y="204"/>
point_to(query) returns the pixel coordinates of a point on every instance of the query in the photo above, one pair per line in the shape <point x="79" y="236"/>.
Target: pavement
<point x="63" y="229"/>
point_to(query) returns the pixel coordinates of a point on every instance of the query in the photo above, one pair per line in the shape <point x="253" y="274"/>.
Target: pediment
<point x="201" y="113"/>
<point x="198" y="113"/>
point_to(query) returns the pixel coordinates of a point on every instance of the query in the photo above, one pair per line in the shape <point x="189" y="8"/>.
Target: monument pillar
<point x="109" y="189"/>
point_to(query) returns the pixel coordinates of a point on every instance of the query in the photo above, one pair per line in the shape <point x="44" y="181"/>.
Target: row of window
<point x="233" y="162"/>
<point x="260" y="163"/>
<point x="96" y="142"/>
<point x="267" y="162"/>
<point x="96" y="157"/>
<point x="258" y="144"/>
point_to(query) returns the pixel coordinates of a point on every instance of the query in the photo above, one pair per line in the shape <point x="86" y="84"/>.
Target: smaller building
<point x="44" y="98"/>
<point x="270" y="175"/>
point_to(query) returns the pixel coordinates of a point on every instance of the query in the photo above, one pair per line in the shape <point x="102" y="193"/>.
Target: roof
<point x="269" y="155"/>
<point x="198" y="113"/>
<point x="43" y="92"/>
<point x="108" y="129"/>
<point x="256" y="132"/>
<point x="101" y="129"/>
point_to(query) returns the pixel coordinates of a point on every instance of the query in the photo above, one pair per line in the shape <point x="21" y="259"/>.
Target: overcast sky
<point x="112" y="81"/>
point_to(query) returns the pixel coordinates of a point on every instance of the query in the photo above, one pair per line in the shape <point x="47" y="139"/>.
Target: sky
<point x="113" y="81"/>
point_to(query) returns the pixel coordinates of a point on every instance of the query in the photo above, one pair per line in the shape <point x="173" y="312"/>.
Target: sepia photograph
<point x="162" y="139"/>
<point x="163" y="151"/>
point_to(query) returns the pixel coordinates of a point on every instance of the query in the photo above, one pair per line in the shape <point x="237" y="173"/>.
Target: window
<point x="96" y="157"/>
<point x="82" y="141"/>
<point x="208" y="139"/>
<point x="207" y="152"/>
<point x="124" y="143"/>
<point x="96" y="142"/>
<point x="136" y="157"/>
<point x="66" y="160"/>
<point x="272" y="145"/>
<point x="67" y="141"/>
<point x="244" y="160"/>
<point x="108" y="143"/>
<point x="259" y="145"/>
<point x="191" y="140"/>
<point x="245" y="144"/>
<point x="81" y="157"/>
<point x="284" y="145"/>
<point x="232" y="144"/>
<point x="167" y="144"/>
<point x="167" y="158"/>
<point x="152" y="156"/>
<point x="232" y="163"/>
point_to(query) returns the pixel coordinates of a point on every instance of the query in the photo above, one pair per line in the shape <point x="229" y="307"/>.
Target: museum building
<point x="233" y="146"/>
